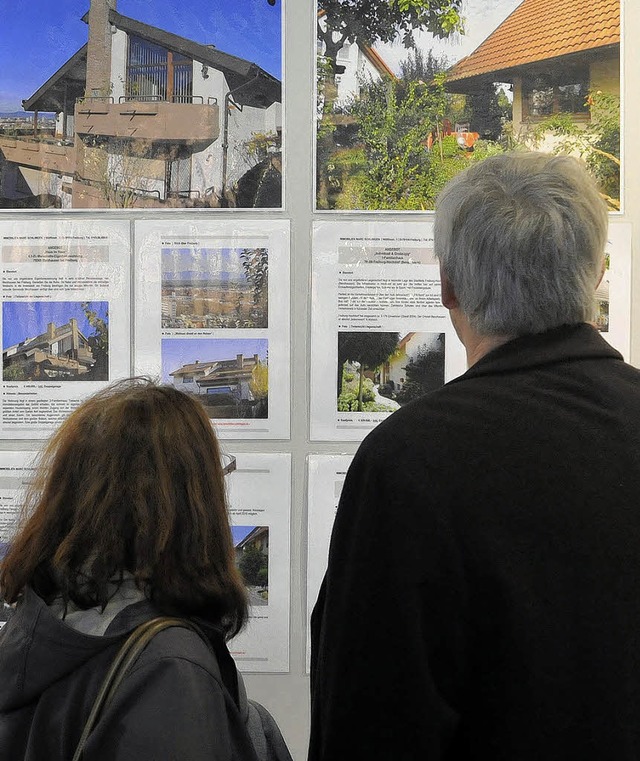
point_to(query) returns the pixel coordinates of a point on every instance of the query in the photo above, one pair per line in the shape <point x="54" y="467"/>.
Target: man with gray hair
<point x="482" y="599"/>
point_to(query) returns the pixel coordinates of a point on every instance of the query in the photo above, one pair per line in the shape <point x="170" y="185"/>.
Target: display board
<point x="56" y="188"/>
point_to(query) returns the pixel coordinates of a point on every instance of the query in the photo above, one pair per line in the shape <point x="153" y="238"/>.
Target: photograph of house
<point x="379" y="372"/>
<point x="215" y="288"/>
<point x="512" y="74"/>
<point x="251" y="546"/>
<point x="145" y="116"/>
<point x="55" y="341"/>
<point x="230" y="376"/>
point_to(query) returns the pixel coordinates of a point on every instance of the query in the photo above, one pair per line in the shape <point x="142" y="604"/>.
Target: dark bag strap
<point x="125" y="658"/>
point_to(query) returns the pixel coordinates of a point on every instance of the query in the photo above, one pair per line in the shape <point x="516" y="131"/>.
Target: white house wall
<point x="358" y="70"/>
<point x="206" y="165"/>
<point x="134" y="172"/>
<point x="119" y="47"/>
<point x="40" y="182"/>
<point x="243" y="125"/>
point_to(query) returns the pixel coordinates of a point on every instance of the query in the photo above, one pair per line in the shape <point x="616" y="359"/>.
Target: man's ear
<point x="447" y="294"/>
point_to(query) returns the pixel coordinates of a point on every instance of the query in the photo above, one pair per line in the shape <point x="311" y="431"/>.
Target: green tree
<point x="369" y="350"/>
<point x="259" y="383"/>
<point x="366" y="22"/>
<point x="14" y="373"/>
<point x="421" y="67"/>
<point x="370" y="21"/>
<point x="99" y="343"/>
<point x="424" y="372"/>
<point x="395" y="122"/>
<point x="253" y="566"/>
<point x="598" y="143"/>
<point x="255" y="262"/>
<point x="489" y="109"/>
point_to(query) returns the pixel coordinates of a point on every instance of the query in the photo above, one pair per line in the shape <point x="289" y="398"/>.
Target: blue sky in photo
<point x="28" y="319"/>
<point x="38" y="36"/>
<point x="239" y="532"/>
<point x="202" y="264"/>
<point x="177" y="352"/>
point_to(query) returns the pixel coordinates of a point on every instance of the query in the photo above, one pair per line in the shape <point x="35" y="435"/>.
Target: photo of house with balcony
<point x="61" y="353"/>
<point x="228" y="387"/>
<point x="147" y="119"/>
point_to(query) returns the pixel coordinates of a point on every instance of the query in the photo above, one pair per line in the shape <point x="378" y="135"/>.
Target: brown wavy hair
<point x="131" y="483"/>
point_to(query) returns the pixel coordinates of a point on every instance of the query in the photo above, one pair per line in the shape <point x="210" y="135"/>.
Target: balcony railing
<point x="50" y="154"/>
<point x="148" y="118"/>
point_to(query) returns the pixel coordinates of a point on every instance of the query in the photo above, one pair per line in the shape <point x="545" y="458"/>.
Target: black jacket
<point x="180" y="702"/>
<point x="482" y="599"/>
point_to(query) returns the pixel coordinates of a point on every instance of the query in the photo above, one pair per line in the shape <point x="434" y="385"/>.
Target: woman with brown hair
<point x="126" y="520"/>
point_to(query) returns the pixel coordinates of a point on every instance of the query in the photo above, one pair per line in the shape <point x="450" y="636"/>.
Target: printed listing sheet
<point x="613" y="295"/>
<point x="380" y="336"/>
<point x="326" y="479"/>
<point x="15" y="471"/>
<point x="212" y="318"/>
<point x="260" y="504"/>
<point x="65" y="318"/>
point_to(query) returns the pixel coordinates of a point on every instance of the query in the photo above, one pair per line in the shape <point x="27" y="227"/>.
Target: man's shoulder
<point x="424" y="422"/>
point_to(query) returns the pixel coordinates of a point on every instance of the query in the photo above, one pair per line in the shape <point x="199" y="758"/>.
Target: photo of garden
<point x="379" y="372"/>
<point x="409" y="94"/>
<point x="215" y="288"/>
<point x="251" y="547"/>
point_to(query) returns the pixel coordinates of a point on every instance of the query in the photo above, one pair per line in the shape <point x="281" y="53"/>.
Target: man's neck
<point x="478" y="346"/>
<point x="475" y="344"/>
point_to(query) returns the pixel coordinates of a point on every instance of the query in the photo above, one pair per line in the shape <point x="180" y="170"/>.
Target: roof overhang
<point x="472" y="82"/>
<point x="62" y="89"/>
<point x="255" y="86"/>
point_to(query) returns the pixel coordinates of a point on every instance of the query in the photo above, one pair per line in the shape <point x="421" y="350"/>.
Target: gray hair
<point x="521" y="238"/>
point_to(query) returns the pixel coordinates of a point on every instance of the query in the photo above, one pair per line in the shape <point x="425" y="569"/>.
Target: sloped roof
<point x="260" y="89"/>
<point x="63" y="87"/>
<point x="538" y="30"/>
<point x="377" y="61"/>
<point x="195" y="367"/>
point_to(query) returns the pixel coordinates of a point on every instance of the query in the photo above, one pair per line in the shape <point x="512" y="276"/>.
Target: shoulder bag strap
<point x="125" y="658"/>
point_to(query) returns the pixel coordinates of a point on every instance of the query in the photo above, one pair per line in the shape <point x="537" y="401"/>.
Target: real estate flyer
<point x="260" y="505"/>
<point x="65" y="293"/>
<point x="326" y="479"/>
<point x="16" y="469"/>
<point x="212" y="318"/>
<point x="379" y="335"/>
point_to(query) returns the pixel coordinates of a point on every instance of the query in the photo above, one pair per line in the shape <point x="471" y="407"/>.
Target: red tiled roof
<point x="541" y="29"/>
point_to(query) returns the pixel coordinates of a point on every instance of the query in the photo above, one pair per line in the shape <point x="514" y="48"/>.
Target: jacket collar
<point x="564" y="344"/>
